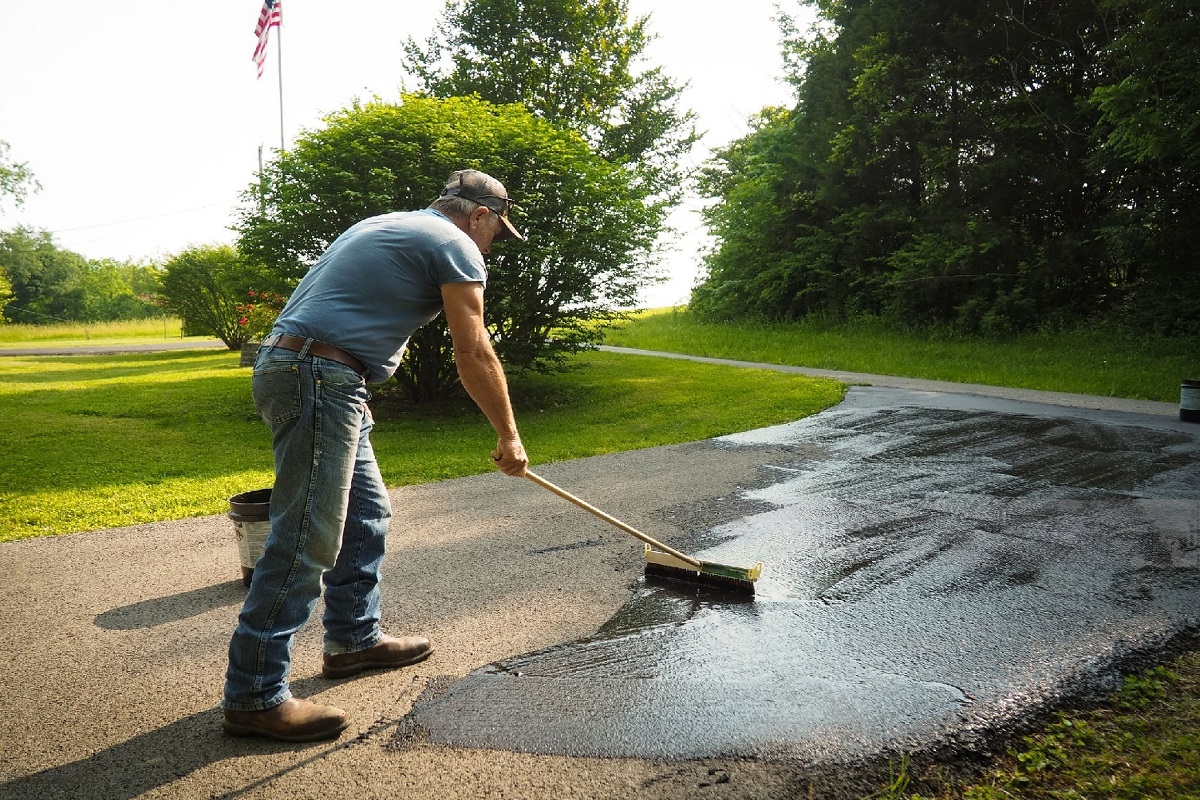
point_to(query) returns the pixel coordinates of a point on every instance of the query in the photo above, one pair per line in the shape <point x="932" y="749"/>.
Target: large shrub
<point x="589" y="228"/>
<point x="206" y="287"/>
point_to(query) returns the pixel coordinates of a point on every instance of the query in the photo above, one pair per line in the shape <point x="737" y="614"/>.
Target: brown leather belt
<point x="318" y="349"/>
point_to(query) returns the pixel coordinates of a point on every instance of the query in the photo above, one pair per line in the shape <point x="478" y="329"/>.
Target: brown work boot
<point x="291" y="721"/>
<point x="391" y="652"/>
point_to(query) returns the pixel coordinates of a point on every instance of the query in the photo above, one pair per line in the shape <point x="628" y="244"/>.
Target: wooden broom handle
<point x="611" y="520"/>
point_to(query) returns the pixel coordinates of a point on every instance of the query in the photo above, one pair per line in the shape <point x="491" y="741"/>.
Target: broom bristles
<point x="722" y="575"/>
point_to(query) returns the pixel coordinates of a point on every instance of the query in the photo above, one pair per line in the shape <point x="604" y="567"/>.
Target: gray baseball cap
<point x="481" y="188"/>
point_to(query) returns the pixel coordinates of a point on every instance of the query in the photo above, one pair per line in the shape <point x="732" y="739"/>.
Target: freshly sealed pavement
<point x="940" y="567"/>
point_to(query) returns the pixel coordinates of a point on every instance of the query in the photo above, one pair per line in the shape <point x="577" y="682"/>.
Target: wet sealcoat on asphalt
<point x="936" y="568"/>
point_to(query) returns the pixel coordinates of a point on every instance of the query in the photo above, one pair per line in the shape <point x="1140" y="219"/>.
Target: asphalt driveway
<point x="939" y="568"/>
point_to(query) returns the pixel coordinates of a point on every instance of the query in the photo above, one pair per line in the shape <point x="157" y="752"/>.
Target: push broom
<point x="664" y="560"/>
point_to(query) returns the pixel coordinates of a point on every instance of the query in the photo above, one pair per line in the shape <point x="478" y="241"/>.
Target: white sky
<point x="142" y="119"/>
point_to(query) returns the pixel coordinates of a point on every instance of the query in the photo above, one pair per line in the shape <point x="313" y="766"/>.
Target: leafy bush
<point x="589" y="226"/>
<point x="202" y="285"/>
<point x="258" y="316"/>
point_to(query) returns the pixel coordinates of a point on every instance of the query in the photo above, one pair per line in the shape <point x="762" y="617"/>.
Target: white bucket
<point x="1189" y="401"/>
<point x="251" y="515"/>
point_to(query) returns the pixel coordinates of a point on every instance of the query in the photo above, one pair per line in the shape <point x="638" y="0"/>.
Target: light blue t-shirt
<point x="380" y="281"/>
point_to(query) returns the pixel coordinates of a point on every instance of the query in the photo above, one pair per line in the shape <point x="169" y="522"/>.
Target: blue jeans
<point x="329" y="521"/>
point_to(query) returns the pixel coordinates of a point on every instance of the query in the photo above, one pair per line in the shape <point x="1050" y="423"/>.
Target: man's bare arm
<point x="481" y="372"/>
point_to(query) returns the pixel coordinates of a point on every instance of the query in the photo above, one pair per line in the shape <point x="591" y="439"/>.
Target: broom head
<point x="738" y="579"/>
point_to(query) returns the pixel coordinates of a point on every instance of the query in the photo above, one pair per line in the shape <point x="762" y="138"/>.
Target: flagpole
<point x="279" y="62"/>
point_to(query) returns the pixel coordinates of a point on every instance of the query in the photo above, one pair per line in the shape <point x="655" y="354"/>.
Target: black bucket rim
<point x="255" y="503"/>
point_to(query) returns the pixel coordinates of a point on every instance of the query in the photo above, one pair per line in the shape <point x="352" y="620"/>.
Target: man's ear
<point x="478" y="214"/>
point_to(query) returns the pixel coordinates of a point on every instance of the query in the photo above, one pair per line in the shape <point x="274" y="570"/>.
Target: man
<point x="346" y="326"/>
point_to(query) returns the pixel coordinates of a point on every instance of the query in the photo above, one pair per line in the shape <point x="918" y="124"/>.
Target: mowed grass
<point x="1106" y="362"/>
<point x="90" y="442"/>
<point x="1143" y="743"/>
<point x="101" y="441"/>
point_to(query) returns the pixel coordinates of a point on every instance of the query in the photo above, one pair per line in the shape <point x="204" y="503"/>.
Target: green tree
<point x="1148" y="154"/>
<point x="588" y="230"/>
<point x="16" y="179"/>
<point x="145" y="279"/>
<point x="575" y="63"/>
<point x="751" y="272"/>
<point x="988" y="165"/>
<point x="205" y="285"/>
<point x="47" y="282"/>
<point x="113" y="290"/>
<point x="6" y="293"/>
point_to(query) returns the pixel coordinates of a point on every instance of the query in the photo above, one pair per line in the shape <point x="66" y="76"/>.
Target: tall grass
<point x="82" y="333"/>
<point x="1108" y="362"/>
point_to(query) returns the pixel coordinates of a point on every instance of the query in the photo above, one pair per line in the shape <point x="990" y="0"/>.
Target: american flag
<point x="269" y="17"/>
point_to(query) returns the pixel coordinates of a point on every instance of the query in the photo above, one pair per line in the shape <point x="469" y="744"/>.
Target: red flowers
<point x="258" y="317"/>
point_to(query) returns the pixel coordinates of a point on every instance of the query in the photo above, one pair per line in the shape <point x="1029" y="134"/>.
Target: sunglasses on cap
<point x="506" y="204"/>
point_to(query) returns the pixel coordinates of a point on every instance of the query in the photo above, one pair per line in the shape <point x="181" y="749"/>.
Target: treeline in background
<point x="991" y="166"/>
<point x="985" y="167"/>
<point x="41" y="283"/>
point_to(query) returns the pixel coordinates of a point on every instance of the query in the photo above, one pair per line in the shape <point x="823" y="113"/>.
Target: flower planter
<point x="249" y="353"/>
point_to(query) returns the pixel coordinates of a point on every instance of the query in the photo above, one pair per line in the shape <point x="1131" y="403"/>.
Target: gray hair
<point x="454" y="207"/>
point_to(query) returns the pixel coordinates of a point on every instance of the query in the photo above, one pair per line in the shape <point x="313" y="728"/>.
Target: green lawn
<point x="100" y="441"/>
<point x="90" y="442"/>
<point x="1143" y="743"/>
<point x="1105" y="362"/>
